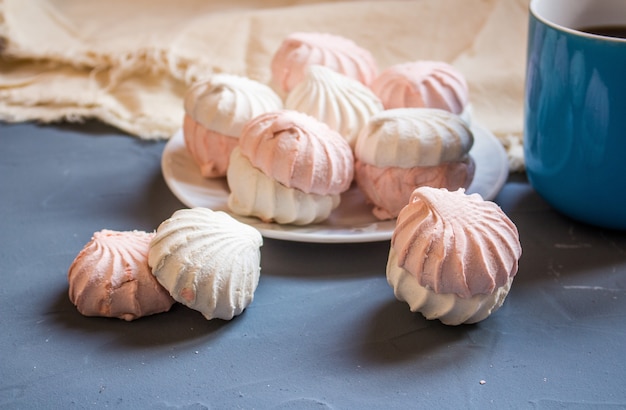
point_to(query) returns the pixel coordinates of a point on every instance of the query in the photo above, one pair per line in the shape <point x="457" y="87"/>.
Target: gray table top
<point x="324" y="330"/>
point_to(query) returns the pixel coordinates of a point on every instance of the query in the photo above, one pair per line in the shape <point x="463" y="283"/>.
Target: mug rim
<point x="569" y="30"/>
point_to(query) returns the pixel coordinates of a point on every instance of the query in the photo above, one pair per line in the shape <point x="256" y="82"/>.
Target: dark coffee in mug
<point x="607" y="31"/>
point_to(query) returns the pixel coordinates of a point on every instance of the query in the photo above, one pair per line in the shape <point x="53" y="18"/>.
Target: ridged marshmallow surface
<point x="302" y="49"/>
<point x="413" y="137"/>
<point x="252" y="193"/>
<point x="389" y="189"/>
<point x="422" y="84"/>
<point x="447" y="307"/>
<point x="341" y="102"/>
<point x="225" y="102"/>
<point x="110" y="277"/>
<point x="209" y="149"/>
<point x="208" y="261"/>
<point x="456" y="243"/>
<point x="298" y="151"/>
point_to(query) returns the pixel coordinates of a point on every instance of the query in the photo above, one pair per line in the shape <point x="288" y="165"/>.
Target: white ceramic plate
<point x="352" y="221"/>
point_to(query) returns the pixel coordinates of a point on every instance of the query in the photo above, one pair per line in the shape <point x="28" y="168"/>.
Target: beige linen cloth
<point x="129" y="62"/>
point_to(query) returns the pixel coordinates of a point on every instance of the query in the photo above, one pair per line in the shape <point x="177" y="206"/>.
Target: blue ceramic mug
<point x="575" y="108"/>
